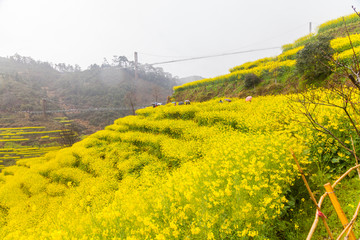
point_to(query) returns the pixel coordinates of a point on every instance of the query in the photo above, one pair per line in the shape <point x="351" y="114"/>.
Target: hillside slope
<point x="276" y="74"/>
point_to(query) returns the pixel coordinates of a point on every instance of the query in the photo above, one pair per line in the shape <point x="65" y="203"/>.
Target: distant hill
<point x="184" y="80"/>
<point x="26" y="83"/>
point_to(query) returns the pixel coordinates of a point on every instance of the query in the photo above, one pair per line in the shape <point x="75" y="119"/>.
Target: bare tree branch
<point x="355" y="10"/>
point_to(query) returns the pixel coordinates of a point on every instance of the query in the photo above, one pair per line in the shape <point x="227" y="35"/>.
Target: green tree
<point x="313" y="61"/>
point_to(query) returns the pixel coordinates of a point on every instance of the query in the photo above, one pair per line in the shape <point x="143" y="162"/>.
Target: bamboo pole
<point x="353" y="220"/>
<point x="316" y="220"/>
<point x="344" y="175"/>
<point x="312" y="195"/>
<point x="356" y="159"/>
<point x="350" y="225"/>
<point x="338" y="209"/>
<point x="344" y="231"/>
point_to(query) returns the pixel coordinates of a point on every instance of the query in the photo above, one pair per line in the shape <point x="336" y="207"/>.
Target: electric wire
<point x="265" y="40"/>
<point x="216" y="55"/>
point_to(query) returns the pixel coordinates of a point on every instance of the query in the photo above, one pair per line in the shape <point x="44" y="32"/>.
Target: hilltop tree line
<point x="24" y="82"/>
<point x="145" y="70"/>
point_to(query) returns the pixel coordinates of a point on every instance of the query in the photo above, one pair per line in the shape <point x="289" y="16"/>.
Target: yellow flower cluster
<point x="322" y="28"/>
<point x="234" y="76"/>
<point x="347" y="56"/>
<point x="201" y="171"/>
<point x="290" y="54"/>
<point x="338" y="22"/>
<point x="342" y="44"/>
<point x="262" y="66"/>
<point x="298" y="43"/>
<point x="249" y="65"/>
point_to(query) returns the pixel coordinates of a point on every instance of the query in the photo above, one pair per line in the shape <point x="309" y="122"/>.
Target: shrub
<point x="313" y="60"/>
<point x="251" y="80"/>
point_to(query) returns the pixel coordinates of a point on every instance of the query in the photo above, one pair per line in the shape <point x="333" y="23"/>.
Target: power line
<point x="272" y="37"/>
<point x="162" y="56"/>
<point x="216" y="55"/>
<point x="245" y="46"/>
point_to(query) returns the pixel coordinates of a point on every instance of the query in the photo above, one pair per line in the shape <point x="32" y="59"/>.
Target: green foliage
<point x="313" y="61"/>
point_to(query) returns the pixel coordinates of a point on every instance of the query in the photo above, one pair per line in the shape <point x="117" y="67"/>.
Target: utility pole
<point x="132" y="93"/>
<point x="310" y="29"/>
<point x="136" y="65"/>
<point x="43" y="101"/>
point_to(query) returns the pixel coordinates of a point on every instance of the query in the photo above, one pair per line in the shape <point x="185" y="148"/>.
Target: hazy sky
<point x="85" y="31"/>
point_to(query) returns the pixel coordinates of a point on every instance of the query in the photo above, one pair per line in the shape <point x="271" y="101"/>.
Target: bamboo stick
<point x="338" y="209"/>
<point x="344" y="175"/>
<point x="350" y="225"/>
<point x="311" y="195"/>
<point x="316" y="220"/>
<point x="344" y="231"/>
<point x="353" y="220"/>
<point x="356" y="159"/>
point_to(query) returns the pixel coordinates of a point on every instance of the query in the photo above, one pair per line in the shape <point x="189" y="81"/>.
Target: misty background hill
<point x="184" y="80"/>
<point x="27" y="85"/>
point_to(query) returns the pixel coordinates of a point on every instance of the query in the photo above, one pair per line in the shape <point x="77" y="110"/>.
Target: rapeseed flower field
<point x="202" y="171"/>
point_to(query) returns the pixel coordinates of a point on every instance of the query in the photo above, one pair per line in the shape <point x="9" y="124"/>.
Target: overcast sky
<point x="85" y="31"/>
